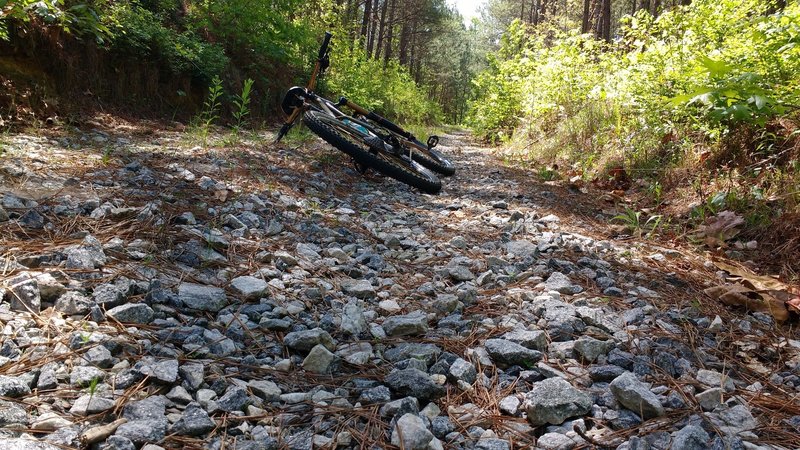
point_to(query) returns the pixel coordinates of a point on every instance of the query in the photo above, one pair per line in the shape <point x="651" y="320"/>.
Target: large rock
<point x="562" y="284"/>
<point x="553" y="401"/>
<point x="319" y="359"/>
<point x="406" y="325"/>
<point x="634" y="395"/>
<point x="410" y="433"/>
<point x="143" y="431"/>
<point x="414" y="383"/>
<point x="23" y="293"/>
<point x="590" y="348"/>
<point x="26" y="444"/>
<point x="91" y="404"/>
<point x="73" y="303"/>
<point x="204" y="298"/>
<point x="358" y="288"/>
<point x="13" y="387"/>
<point x="132" y="313"/>
<point x="304" y="341"/>
<point x="193" y="422"/>
<point x="522" y="249"/>
<point x="249" y="287"/>
<point x="88" y="256"/>
<point x="690" y="437"/>
<point x="507" y="353"/>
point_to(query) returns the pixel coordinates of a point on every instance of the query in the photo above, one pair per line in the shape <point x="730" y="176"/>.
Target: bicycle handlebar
<point x="324" y="48"/>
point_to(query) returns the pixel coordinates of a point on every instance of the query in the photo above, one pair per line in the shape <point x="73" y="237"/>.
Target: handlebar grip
<point x="325" y="42"/>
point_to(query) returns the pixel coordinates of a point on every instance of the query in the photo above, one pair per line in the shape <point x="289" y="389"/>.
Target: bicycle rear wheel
<point x="351" y="142"/>
<point x="432" y="159"/>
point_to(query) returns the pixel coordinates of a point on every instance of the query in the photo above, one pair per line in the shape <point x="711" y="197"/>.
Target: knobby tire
<point x="413" y="175"/>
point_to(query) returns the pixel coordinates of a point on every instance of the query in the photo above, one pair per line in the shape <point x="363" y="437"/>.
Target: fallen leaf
<point x="722" y="226"/>
<point x="739" y="295"/>
<point x="758" y="282"/>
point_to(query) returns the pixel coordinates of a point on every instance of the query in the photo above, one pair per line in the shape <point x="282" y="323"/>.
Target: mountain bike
<point x="370" y="139"/>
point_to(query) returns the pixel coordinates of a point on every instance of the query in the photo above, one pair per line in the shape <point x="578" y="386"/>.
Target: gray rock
<point x="165" y="371"/>
<point x="634" y="395"/>
<point x="12" y="414"/>
<point x="710" y="399"/>
<point x="193" y="422"/>
<point x="319" y="359"/>
<point x="406" y="325"/>
<point x="510" y="405"/>
<point x="358" y="288"/>
<point x="192" y="375"/>
<point x="492" y="444"/>
<point x="605" y="373"/>
<point x="561" y="283"/>
<point x="143" y="431"/>
<point x="32" y="219"/>
<point x="712" y="378"/>
<point x="690" y="437"/>
<point x="3" y="215"/>
<point x="250" y="287"/>
<point x="590" y="348"/>
<point x="91" y="404"/>
<point x="108" y="295"/>
<point x="26" y="444"/>
<point x="507" y="353"/>
<point x="234" y="399"/>
<point x="50" y="421"/>
<point x="358" y="353"/>
<point x="117" y="443"/>
<point x="150" y="408"/>
<point x="555" y="441"/>
<point x="304" y="341"/>
<point x="23" y="293"/>
<point x="463" y="371"/>
<point x="73" y="303"/>
<point x="533" y="339"/>
<point x="553" y="401"/>
<point x="378" y="394"/>
<point x="84" y="375"/>
<point x="353" y="321"/>
<point x="410" y="433"/>
<point x="522" y="249"/>
<point x="132" y="313"/>
<point x="88" y="256"/>
<point x="734" y="420"/>
<point x="204" y="298"/>
<point x="13" y="387"/>
<point x="460" y="273"/>
<point x="414" y="383"/>
<point x="179" y="394"/>
<point x="265" y="389"/>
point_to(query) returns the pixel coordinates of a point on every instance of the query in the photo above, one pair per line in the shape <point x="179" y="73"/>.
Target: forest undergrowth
<point x="688" y="120"/>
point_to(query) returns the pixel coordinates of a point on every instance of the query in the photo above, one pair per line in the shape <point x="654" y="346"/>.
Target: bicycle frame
<point x="309" y="98"/>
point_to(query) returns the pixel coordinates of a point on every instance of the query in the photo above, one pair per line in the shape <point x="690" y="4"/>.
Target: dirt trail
<point x="254" y="296"/>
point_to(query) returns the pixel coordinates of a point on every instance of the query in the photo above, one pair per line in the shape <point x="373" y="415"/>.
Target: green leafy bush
<point x="390" y="90"/>
<point x="695" y="72"/>
<point x="140" y="32"/>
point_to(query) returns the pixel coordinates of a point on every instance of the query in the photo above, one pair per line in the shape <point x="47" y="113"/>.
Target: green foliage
<point x="211" y="109"/>
<point x="143" y="33"/>
<point x="79" y="18"/>
<point x="388" y="89"/>
<point x="701" y="70"/>
<point x="242" y="104"/>
<point x="634" y="223"/>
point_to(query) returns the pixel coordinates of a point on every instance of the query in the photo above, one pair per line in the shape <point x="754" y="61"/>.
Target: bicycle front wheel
<point x="351" y="142"/>
<point x="432" y="159"/>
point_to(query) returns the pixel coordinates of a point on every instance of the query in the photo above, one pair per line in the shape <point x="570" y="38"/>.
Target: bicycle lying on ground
<point x="370" y="139"/>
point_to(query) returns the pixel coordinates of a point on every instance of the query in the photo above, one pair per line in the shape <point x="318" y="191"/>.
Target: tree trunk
<point x="522" y="11"/>
<point x="656" y="8"/>
<point x="586" y="14"/>
<point x="387" y="53"/>
<point x="606" y="20"/>
<point x="373" y="22"/>
<point x="365" y="20"/>
<point x="404" y="30"/>
<point x="381" y="29"/>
